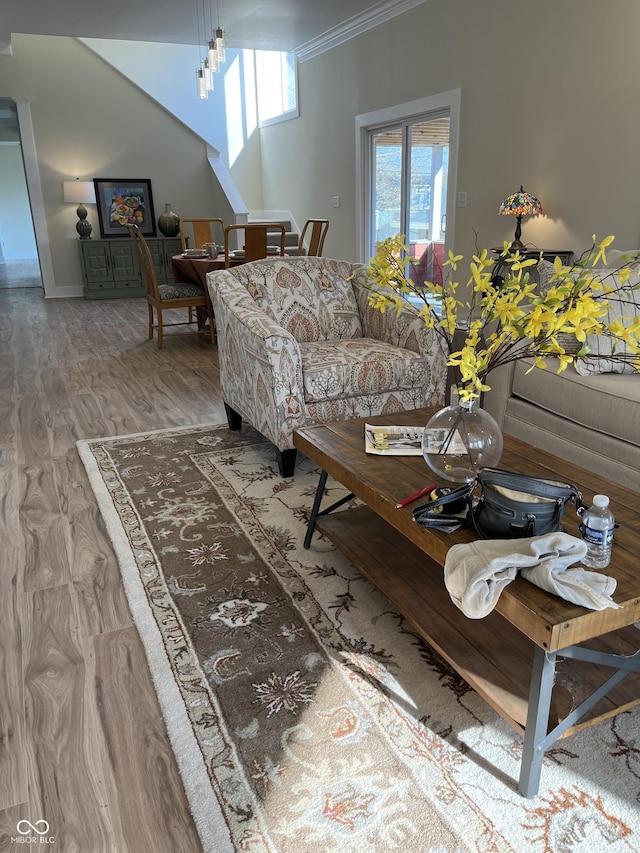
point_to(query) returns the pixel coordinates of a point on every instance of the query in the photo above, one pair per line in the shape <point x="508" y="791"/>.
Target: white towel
<point x="475" y="574"/>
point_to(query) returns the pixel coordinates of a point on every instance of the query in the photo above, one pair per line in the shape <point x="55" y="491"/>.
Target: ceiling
<point x="260" y="24"/>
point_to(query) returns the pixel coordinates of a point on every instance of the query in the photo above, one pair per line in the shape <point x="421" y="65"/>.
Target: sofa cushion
<point x="603" y="347"/>
<point x="544" y="270"/>
<point x="617" y="257"/>
<point x="594" y="451"/>
<point x="311" y="298"/>
<point x="587" y="400"/>
<point x="333" y="369"/>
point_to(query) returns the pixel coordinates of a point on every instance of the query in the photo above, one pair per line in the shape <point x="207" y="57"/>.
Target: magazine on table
<point x="394" y="440"/>
<point x="407" y="441"/>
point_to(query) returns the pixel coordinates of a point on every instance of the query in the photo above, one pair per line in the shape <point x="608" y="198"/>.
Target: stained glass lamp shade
<point x="520" y="204"/>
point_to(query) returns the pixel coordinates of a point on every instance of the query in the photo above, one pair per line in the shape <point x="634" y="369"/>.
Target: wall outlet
<point x="336" y="201"/>
<point x="462" y="200"/>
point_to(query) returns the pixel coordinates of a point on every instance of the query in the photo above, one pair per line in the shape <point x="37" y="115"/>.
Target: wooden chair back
<point x="145" y="261"/>
<point x="201" y="231"/>
<point x="317" y="229"/>
<point x="254" y="240"/>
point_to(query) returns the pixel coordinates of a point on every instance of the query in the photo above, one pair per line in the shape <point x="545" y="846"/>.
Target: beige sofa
<point x="593" y="421"/>
<point x="590" y="413"/>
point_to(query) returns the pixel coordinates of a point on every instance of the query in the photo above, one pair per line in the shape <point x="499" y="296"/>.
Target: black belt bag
<point x="509" y="506"/>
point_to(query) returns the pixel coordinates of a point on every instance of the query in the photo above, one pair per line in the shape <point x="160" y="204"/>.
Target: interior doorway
<point x="19" y="261"/>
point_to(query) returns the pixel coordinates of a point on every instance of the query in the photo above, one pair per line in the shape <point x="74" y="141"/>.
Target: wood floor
<point x="82" y="740"/>
<point x="20" y="273"/>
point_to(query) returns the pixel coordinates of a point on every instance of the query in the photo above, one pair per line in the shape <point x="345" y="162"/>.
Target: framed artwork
<point x="123" y="202"/>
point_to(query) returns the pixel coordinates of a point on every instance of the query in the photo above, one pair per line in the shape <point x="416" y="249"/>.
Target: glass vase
<point x="461" y="439"/>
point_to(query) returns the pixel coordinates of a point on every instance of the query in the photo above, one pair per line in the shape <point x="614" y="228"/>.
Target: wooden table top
<point x="195" y="270"/>
<point x="381" y="481"/>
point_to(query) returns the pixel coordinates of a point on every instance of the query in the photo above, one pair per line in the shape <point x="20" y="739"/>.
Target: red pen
<point x="417" y="495"/>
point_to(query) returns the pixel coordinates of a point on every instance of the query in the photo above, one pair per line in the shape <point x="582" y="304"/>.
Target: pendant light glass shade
<point x="208" y="76"/>
<point x="202" y="84"/>
<point x="212" y="56"/>
<point x="220" y="45"/>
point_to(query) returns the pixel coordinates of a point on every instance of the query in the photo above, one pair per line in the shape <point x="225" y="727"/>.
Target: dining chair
<point x="206" y="230"/>
<point x="163" y="297"/>
<point x="317" y="229"/>
<point x="258" y="241"/>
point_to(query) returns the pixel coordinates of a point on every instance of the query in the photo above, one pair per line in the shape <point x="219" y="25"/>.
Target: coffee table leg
<point x="315" y="508"/>
<point x="542" y="677"/>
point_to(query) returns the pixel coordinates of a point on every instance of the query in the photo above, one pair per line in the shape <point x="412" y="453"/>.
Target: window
<point x="276" y="86"/>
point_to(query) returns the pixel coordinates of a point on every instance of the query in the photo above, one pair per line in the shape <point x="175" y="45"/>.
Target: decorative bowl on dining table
<point x="238" y="254"/>
<point x="195" y="253"/>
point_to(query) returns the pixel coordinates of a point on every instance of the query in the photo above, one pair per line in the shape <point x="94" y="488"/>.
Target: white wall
<point x="167" y="73"/>
<point x="549" y="100"/>
<point x="90" y="122"/>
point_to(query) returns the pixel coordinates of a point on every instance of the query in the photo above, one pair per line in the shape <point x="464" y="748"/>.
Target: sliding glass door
<point x="408" y="182"/>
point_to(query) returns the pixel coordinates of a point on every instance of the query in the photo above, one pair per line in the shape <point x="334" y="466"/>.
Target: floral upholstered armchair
<point x="299" y="344"/>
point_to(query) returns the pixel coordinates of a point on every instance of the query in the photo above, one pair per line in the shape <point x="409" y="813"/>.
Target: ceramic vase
<point x="169" y="222"/>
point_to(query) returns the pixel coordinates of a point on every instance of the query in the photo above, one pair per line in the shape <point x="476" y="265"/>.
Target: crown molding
<point x="353" y="27"/>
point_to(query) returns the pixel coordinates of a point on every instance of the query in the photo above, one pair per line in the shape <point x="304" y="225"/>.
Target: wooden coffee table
<point x="509" y="657"/>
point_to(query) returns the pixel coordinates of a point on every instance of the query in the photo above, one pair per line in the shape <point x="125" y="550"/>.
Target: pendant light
<point x="201" y="72"/>
<point x="219" y="37"/>
<point x="202" y="84"/>
<point x="214" y="48"/>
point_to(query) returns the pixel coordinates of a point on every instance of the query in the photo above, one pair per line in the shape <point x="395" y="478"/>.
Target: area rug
<point x="304" y="713"/>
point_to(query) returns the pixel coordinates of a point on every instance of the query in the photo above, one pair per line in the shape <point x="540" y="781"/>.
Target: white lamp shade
<point x="79" y="192"/>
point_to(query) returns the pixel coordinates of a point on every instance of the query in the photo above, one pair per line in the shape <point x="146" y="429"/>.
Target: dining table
<point x="194" y="270"/>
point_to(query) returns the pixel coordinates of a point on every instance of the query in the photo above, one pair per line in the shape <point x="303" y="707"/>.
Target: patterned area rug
<point x="304" y="712"/>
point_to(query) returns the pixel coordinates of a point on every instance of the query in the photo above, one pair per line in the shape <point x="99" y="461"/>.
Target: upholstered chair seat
<point x="180" y="291"/>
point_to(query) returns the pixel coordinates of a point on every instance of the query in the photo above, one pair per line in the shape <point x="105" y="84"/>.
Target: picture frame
<point x="124" y="201"/>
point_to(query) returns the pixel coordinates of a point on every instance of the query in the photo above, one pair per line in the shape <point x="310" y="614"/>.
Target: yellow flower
<point x="511" y="321"/>
<point x="600" y="255"/>
<point x="507" y="310"/>
<point x="452" y="260"/>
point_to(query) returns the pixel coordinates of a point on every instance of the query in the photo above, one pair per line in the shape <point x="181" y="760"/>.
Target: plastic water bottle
<point x="597" y="531"/>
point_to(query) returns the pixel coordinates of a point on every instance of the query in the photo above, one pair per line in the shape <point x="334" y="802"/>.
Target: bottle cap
<point x="600" y="500"/>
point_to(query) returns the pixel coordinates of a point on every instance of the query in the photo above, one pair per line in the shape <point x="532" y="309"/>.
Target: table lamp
<point x="80" y="193"/>
<point x="519" y="204"/>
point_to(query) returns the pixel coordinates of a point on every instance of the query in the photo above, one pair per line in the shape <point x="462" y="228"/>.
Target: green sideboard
<point x="110" y="267"/>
